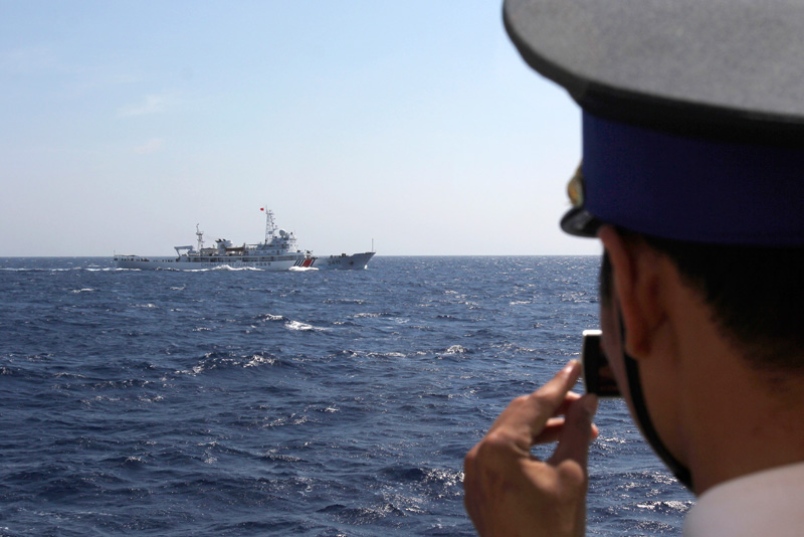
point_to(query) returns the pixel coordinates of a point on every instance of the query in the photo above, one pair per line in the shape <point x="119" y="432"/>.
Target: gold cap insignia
<point x="575" y="188"/>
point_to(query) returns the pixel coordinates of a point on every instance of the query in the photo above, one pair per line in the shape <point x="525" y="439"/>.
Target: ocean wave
<point x="257" y="360"/>
<point x="672" y="506"/>
<point x="373" y="315"/>
<point x="456" y="349"/>
<point x="221" y="361"/>
<point x="303" y="327"/>
<point x="271" y="317"/>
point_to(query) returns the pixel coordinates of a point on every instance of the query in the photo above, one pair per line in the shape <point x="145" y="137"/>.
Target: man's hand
<point x="510" y="492"/>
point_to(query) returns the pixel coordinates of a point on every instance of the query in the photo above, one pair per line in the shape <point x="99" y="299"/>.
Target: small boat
<point x="277" y="253"/>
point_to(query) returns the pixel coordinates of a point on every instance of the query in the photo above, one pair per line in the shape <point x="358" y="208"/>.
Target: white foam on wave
<point x="671" y="505"/>
<point x="303" y="327"/>
<point x="257" y="360"/>
<point x="367" y="315"/>
<point x="236" y="269"/>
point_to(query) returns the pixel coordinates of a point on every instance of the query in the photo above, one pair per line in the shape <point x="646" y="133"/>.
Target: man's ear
<point x="636" y="274"/>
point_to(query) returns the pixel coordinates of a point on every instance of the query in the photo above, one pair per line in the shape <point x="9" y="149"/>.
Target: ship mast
<point x="270" y="225"/>
<point x="200" y="235"/>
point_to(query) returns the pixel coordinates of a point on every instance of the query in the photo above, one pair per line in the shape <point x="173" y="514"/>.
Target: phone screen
<point x="597" y="375"/>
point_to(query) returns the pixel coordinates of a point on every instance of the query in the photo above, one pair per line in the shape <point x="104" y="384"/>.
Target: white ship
<point x="277" y="253"/>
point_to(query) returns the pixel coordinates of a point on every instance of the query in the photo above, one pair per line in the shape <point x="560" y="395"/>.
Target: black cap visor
<point x="577" y="221"/>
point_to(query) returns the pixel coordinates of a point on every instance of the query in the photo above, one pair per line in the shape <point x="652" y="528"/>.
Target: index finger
<point x="550" y="399"/>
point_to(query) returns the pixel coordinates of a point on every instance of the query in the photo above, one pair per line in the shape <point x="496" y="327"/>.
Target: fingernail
<point x="590" y="403"/>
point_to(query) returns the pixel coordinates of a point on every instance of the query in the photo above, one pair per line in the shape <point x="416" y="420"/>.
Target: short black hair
<point x="756" y="295"/>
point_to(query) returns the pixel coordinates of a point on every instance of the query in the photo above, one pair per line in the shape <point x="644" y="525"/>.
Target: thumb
<point x="577" y="432"/>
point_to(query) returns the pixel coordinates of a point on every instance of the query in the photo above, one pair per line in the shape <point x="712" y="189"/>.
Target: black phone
<point x="597" y="375"/>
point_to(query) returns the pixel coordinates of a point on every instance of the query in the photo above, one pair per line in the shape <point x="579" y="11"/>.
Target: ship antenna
<point x="200" y="235"/>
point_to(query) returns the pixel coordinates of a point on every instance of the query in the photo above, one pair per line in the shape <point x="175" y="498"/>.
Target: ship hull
<point x="141" y="263"/>
<point x="344" y="261"/>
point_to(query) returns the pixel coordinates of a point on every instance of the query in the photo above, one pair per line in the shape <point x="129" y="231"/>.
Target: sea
<point x="316" y="403"/>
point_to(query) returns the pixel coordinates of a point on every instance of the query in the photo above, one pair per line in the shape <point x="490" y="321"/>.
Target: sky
<point x="412" y="126"/>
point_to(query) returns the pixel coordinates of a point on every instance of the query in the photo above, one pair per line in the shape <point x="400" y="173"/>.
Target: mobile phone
<point x="597" y="375"/>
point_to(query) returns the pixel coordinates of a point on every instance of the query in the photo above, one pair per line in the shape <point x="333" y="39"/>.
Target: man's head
<point x="693" y="177"/>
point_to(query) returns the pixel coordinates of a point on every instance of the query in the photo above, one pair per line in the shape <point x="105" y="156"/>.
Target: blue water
<point x="313" y="403"/>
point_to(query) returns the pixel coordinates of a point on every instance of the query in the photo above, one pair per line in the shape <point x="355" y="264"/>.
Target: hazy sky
<point x="414" y="123"/>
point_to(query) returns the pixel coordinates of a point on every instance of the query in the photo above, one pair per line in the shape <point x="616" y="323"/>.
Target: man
<point x="693" y="179"/>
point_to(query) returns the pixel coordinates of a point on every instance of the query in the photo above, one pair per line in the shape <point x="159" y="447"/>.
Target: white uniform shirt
<point x="768" y="503"/>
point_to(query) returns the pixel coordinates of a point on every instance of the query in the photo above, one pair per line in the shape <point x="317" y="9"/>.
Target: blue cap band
<point x="692" y="189"/>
